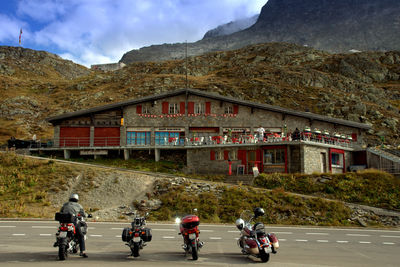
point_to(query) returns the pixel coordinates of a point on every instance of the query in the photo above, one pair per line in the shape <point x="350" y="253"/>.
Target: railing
<point x="195" y="140"/>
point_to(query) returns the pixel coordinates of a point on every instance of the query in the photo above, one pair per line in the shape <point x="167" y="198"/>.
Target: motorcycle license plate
<point x="192" y="236"/>
<point x="136" y="239"/>
<point x="63" y="234"/>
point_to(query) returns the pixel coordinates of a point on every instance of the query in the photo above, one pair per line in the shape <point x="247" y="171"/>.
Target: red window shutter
<point x="235" y="109"/>
<point x="212" y="155"/>
<point x="182" y="108"/>
<point x="139" y="109"/>
<point x="226" y="154"/>
<point x="190" y="107"/>
<point x="354" y="137"/>
<point x="208" y="107"/>
<point x="165" y="107"/>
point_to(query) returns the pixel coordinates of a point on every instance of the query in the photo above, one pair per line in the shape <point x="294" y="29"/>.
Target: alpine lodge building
<point x="214" y="132"/>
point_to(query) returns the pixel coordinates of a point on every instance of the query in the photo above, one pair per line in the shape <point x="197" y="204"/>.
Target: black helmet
<point x="258" y="212"/>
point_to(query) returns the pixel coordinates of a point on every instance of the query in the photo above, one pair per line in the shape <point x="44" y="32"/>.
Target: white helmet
<point x="239" y="224"/>
<point x="74" y="198"/>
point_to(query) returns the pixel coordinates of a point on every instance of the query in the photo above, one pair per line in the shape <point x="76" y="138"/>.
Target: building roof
<point x="210" y="95"/>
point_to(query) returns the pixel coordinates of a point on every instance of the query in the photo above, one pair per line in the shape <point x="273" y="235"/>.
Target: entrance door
<point x="323" y="162"/>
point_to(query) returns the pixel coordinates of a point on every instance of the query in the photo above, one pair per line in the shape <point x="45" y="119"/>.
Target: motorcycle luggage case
<point x="126" y="236"/>
<point x="190" y="221"/>
<point x="64" y="217"/>
<point x="274" y="240"/>
<point x="146" y="237"/>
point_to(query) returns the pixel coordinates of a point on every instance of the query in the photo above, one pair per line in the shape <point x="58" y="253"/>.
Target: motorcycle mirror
<point x="89" y="216"/>
<point x="194" y="210"/>
<point x="147" y="214"/>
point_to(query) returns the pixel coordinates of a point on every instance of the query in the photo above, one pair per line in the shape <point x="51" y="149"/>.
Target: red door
<point x="74" y="136"/>
<point x="242" y="155"/>
<point x="106" y="136"/>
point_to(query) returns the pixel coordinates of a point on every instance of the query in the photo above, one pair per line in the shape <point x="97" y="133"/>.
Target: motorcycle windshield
<point x="247" y="216"/>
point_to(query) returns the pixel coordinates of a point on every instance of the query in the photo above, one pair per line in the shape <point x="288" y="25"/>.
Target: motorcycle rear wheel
<point x="135" y="250"/>
<point x="264" y="256"/>
<point x="62" y="252"/>
<point x="195" y="252"/>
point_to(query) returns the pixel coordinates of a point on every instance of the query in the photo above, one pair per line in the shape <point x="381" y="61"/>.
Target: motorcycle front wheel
<point x="264" y="256"/>
<point x="62" y="252"/>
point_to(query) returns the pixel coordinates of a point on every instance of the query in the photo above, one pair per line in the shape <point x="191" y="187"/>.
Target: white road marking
<point x="237" y="238"/>
<point x="117" y="228"/>
<point x="96" y="235"/>
<point x="207" y="231"/>
<point x="388" y="243"/>
<point x="91" y="228"/>
<point x="7" y="226"/>
<point x="44" y="227"/>
<point x="283" y="233"/>
<point x="323" y="241"/>
<point x="215" y="238"/>
<point x="357" y="235"/>
<point x="167" y="230"/>
<point x="18" y="234"/>
<point x="45" y="234"/>
<point x="364" y="242"/>
<point x="391" y="236"/>
<point x="233" y="231"/>
<point x="168" y="237"/>
<point x="282" y="239"/>
<point x="118" y="236"/>
<point x="342" y="241"/>
<point x="301" y="240"/>
<point x="317" y="234"/>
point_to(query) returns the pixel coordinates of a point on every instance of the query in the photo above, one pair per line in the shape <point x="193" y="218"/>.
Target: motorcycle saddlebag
<point x="126" y="236"/>
<point x="274" y="240"/>
<point x="146" y="237"/>
<point x="64" y="217"/>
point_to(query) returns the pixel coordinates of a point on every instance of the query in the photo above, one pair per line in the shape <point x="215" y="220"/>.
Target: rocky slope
<point x="329" y="25"/>
<point x="362" y="87"/>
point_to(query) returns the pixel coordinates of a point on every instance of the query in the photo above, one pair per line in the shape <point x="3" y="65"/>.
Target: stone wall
<point x="108" y="67"/>
<point x="313" y="159"/>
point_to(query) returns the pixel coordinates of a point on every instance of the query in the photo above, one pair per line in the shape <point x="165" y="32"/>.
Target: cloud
<point x="96" y="31"/>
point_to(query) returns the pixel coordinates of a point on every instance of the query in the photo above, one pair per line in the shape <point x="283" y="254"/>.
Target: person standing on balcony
<point x="261" y="132"/>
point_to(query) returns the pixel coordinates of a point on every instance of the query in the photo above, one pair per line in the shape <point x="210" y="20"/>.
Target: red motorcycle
<point x="253" y="238"/>
<point x="189" y="229"/>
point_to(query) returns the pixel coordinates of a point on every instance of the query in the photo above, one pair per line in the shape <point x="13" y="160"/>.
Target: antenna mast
<point x="186" y="57"/>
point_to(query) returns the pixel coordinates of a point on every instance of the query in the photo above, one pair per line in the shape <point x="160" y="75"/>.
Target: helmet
<point x="239" y="224"/>
<point x="74" y="198"/>
<point x="258" y="212"/>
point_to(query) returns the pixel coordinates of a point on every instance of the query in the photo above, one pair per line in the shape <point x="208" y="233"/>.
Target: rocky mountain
<point x="363" y="87"/>
<point x="231" y="27"/>
<point x="330" y="25"/>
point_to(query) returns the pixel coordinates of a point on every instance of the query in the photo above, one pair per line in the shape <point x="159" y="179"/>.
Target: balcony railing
<point x="196" y="140"/>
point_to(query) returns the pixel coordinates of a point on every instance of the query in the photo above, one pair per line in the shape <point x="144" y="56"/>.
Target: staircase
<point x="385" y="160"/>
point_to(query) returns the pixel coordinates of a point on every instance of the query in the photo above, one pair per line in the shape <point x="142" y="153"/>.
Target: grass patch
<point x="368" y="187"/>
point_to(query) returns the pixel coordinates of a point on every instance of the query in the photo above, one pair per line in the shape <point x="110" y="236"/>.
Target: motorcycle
<point x="66" y="239"/>
<point x="253" y="238"/>
<point x="137" y="235"/>
<point x="189" y="229"/>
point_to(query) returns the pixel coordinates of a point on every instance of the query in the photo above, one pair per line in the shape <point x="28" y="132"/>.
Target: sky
<point x="101" y="31"/>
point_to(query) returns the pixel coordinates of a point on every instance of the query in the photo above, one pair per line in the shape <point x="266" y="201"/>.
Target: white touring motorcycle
<point x="137" y="235"/>
<point x="253" y="238"/>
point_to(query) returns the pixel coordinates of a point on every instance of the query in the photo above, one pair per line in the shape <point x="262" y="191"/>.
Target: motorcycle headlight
<point x="177" y="220"/>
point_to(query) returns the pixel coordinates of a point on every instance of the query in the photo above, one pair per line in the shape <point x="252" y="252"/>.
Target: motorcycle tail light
<point x="136" y="234"/>
<point x="143" y="233"/>
<point x="63" y="228"/>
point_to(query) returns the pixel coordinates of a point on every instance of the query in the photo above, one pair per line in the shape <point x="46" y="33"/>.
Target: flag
<point x="20" y="33"/>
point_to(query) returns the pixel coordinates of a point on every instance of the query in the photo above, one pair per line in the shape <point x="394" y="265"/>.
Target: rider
<point x="73" y="207"/>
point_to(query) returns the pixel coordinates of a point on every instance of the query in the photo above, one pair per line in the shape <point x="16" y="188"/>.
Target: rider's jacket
<point x="73" y="208"/>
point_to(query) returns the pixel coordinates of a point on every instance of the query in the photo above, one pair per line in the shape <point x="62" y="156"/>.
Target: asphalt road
<point x="29" y="243"/>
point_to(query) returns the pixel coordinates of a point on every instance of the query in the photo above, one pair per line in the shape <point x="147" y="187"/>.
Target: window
<point x="337" y="160"/>
<point x="274" y="156"/>
<point x="165" y="138"/>
<point x="199" y="108"/>
<point x="228" y="109"/>
<point x="138" y="138"/>
<point x="233" y="155"/>
<point x="219" y="155"/>
<point x="173" y="108"/>
<point x="146" y="109"/>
